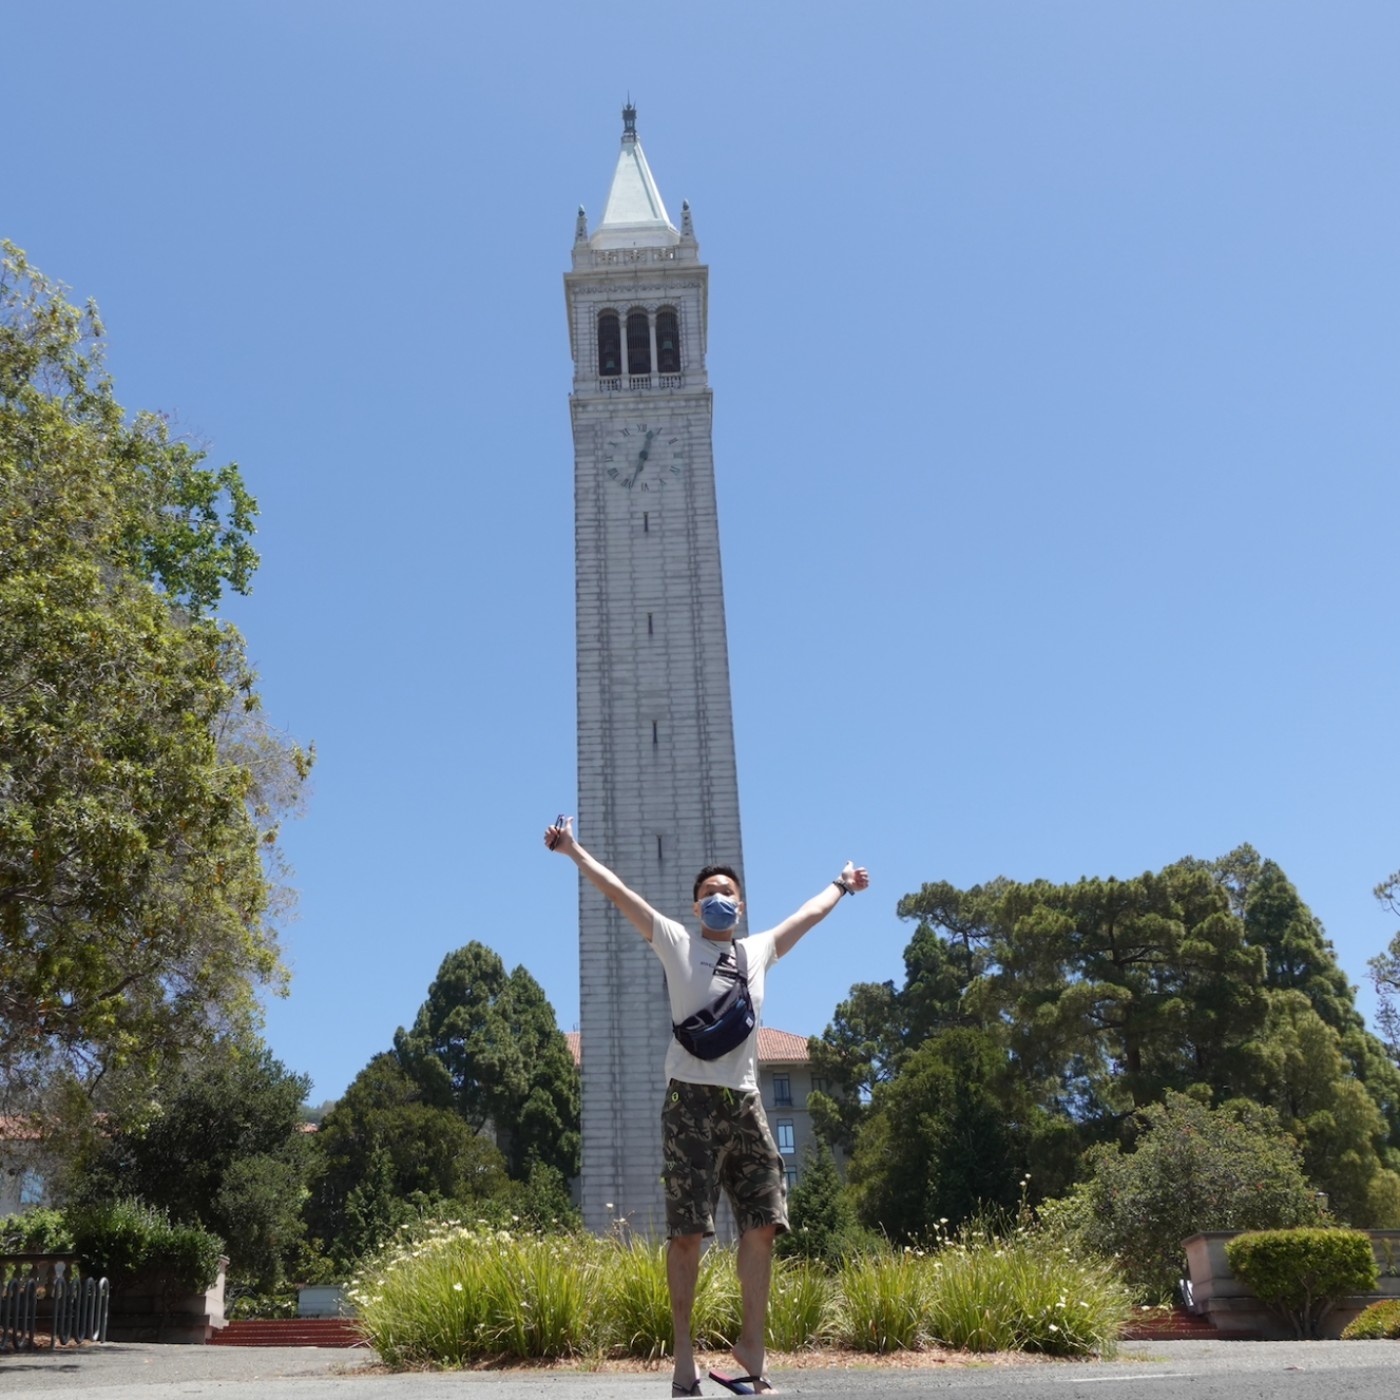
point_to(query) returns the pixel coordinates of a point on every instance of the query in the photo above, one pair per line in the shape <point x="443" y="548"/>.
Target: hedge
<point x="1300" y="1274"/>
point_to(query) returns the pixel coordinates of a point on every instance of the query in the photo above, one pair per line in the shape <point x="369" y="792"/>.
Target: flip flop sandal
<point x="741" y="1385"/>
<point x="679" y="1391"/>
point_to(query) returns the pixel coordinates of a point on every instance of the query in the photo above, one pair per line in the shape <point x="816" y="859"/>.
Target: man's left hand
<point x="855" y="877"/>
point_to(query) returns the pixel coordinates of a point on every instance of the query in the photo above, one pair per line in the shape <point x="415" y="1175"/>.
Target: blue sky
<point x="1054" y="349"/>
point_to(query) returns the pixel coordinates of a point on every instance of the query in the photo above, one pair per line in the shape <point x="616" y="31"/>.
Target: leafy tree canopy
<point x="937" y="1146"/>
<point x="1194" y="1168"/>
<point x="1385" y="969"/>
<point x="382" y="1155"/>
<point x="1207" y="978"/>
<point x="139" y="791"/>
<point x="218" y="1144"/>
<point x="486" y="1044"/>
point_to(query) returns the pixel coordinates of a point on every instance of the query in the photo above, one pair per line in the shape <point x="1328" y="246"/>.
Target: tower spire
<point x="634" y="216"/>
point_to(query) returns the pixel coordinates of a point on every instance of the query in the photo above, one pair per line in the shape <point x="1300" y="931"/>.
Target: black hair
<point x="716" y="870"/>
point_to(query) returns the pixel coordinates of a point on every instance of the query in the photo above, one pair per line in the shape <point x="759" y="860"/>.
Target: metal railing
<point x="43" y="1290"/>
<point x="613" y="383"/>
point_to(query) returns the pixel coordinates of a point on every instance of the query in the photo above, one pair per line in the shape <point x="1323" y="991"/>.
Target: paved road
<point x="1190" y="1370"/>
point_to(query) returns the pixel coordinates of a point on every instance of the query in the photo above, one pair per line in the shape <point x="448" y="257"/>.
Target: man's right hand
<point x="560" y="838"/>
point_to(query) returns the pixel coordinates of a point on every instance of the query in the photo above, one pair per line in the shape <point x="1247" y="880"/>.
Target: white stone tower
<point x="658" y="791"/>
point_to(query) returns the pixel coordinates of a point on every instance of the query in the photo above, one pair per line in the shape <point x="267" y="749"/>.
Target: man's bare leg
<point x="682" y="1273"/>
<point x="755" y="1268"/>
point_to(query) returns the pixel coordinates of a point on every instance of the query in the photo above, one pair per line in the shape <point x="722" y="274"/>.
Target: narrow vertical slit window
<point x="658" y="848"/>
<point x="638" y="343"/>
<point x="609" y="345"/>
<point x="646" y="522"/>
<point x="654" y="738"/>
<point x="668" y="342"/>
<point x="649" y="625"/>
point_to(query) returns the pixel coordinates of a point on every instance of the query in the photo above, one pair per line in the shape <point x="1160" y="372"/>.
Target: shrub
<point x="1300" y="1274"/>
<point x="1379" y="1323"/>
<point x="1195" y="1168"/>
<point x="38" y="1230"/>
<point x="126" y="1240"/>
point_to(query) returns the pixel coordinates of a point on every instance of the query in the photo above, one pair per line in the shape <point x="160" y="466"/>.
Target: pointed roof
<point x="634" y="217"/>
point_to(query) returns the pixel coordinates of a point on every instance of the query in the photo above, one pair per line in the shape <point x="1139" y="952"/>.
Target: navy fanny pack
<point x="725" y="1023"/>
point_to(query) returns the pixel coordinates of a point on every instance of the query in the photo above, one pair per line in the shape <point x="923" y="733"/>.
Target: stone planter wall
<point x="1233" y="1307"/>
<point x="143" y="1312"/>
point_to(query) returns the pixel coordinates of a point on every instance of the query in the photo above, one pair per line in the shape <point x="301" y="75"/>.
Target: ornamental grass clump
<point x="458" y="1294"/>
<point x="802" y="1306"/>
<point x="635" y="1302"/>
<point x="453" y="1295"/>
<point x="882" y="1302"/>
<point x="1023" y="1292"/>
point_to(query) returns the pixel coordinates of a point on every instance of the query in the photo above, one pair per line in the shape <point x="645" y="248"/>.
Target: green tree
<point x="820" y="1211"/>
<point x="1302" y="1074"/>
<point x="936" y="1146"/>
<point x="1385" y="970"/>
<point x="137" y="856"/>
<point x="1193" y="1168"/>
<point x="487" y="1045"/>
<point x="859" y="1050"/>
<point x="219" y="1144"/>
<point x="1300" y="958"/>
<point x="383" y="1155"/>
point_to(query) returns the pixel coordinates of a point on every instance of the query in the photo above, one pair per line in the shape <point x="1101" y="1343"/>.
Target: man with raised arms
<point x="714" y="1132"/>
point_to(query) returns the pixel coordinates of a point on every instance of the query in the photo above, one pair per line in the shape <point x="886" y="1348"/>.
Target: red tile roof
<point x="774" y="1047"/>
<point x="782" y="1047"/>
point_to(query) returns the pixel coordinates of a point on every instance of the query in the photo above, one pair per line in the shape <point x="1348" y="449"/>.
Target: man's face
<point x="717" y="884"/>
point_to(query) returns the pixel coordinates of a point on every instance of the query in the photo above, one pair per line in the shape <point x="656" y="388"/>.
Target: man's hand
<point x="855" y="877"/>
<point x="640" y="914"/>
<point x="560" y="837"/>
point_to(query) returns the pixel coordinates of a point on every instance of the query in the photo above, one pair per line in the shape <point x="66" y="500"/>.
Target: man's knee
<point x="759" y="1236"/>
<point x="684" y="1245"/>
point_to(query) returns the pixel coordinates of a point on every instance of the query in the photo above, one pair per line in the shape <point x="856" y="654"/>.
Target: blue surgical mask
<point x="719" y="913"/>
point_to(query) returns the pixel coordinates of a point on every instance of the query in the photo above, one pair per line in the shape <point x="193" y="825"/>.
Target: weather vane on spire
<point x="629" y="120"/>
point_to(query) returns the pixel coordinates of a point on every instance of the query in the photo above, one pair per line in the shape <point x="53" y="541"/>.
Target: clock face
<point x="643" y="457"/>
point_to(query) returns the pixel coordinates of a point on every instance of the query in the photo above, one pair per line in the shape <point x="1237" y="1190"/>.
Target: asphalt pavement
<point x="1160" y="1370"/>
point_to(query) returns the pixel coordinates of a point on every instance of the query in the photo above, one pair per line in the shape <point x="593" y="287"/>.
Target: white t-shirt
<point x="689" y="960"/>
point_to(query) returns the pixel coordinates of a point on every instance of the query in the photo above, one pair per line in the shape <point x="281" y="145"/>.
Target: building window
<point x="821" y="1084"/>
<point x="787" y="1141"/>
<point x="668" y="342"/>
<point x="31" y="1188"/>
<point x="791" y="1175"/>
<point x="782" y="1090"/>
<point x="638" y="343"/>
<point x="609" y="345"/>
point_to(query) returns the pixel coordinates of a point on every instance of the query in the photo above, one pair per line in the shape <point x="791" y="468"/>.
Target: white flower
<point x="456" y="1287"/>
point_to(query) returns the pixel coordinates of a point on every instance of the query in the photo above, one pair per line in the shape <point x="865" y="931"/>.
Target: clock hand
<point x="643" y="455"/>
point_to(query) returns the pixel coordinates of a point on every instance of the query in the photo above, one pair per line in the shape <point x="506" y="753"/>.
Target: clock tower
<point x="658" y="793"/>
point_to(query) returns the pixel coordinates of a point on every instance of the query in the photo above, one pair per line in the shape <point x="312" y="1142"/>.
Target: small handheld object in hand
<point x="558" y="830"/>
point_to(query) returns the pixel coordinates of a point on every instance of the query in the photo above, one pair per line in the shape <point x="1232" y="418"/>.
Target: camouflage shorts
<point x="713" y="1137"/>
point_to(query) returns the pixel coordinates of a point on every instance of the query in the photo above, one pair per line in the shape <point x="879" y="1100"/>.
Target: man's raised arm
<point x="639" y="913"/>
<point x="852" y="879"/>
